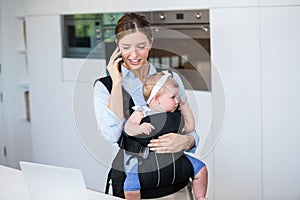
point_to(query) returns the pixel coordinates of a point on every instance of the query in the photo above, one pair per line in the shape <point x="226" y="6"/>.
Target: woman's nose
<point x="134" y="53"/>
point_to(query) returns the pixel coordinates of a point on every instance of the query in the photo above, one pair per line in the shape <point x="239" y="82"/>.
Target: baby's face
<point x="168" y="98"/>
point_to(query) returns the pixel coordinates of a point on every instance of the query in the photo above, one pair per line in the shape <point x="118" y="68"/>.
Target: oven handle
<point x="204" y="27"/>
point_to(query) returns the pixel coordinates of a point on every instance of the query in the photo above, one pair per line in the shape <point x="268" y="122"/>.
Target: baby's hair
<point x="153" y="79"/>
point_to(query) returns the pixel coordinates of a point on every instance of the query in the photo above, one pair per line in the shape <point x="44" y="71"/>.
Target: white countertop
<point x="13" y="186"/>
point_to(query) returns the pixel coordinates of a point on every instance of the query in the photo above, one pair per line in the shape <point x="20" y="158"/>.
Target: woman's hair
<point x="151" y="82"/>
<point x="131" y="23"/>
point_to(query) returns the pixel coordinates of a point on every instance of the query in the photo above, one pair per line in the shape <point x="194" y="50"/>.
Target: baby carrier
<point x="159" y="174"/>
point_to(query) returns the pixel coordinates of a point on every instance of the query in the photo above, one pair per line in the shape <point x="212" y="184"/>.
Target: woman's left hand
<point x="171" y="143"/>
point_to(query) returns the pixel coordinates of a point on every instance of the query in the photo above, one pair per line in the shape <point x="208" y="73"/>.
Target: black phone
<point x="120" y="63"/>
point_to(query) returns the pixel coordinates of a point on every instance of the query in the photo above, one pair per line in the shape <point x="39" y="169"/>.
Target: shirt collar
<point x="152" y="69"/>
<point x="126" y="72"/>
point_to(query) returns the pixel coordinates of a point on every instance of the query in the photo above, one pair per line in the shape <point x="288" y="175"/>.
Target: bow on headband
<point x="158" y="85"/>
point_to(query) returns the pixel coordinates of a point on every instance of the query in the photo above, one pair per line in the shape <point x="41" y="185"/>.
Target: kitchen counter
<point x="13" y="186"/>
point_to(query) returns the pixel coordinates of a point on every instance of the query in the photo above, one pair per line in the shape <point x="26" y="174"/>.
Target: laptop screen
<point x="46" y="182"/>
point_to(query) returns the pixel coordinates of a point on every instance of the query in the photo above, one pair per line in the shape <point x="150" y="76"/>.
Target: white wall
<point x="16" y="129"/>
<point x="2" y="144"/>
<point x="54" y="136"/>
<point x="257" y="157"/>
<point x="237" y="156"/>
<point x="280" y="101"/>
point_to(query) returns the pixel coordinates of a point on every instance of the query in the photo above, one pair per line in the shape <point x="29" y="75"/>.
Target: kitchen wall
<point x="254" y="50"/>
<point x="15" y="131"/>
<point x="2" y="157"/>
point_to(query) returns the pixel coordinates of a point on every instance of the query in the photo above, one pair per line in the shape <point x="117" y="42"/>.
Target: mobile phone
<point x="120" y="63"/>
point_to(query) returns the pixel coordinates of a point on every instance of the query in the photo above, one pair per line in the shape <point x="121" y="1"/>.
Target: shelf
<point x="21" y="51"/>
<point x="24" y="85"/>
<point x="20" y="17"/>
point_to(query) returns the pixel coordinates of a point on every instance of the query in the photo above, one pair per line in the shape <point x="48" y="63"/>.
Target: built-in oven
<point x="182" y="42"/>
<point x="84" y="34"/>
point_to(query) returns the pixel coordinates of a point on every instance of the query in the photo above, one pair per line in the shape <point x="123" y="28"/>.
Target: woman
<point x="134" y="41"/>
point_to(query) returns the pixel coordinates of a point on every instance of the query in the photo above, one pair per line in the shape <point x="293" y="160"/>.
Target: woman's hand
<point x="115" y="103"/>
<point x="171" y="143"/>
<point x="113" y="66"/>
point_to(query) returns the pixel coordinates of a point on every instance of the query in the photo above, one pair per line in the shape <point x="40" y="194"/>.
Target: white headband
<point x="158" y="85"/>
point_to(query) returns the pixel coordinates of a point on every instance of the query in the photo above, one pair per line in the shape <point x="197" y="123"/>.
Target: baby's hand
<point x="146" y="128"/>
<point x="182" y="103"/>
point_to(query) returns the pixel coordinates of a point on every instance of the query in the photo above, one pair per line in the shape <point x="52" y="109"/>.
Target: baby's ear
<point x="156" y="98"/>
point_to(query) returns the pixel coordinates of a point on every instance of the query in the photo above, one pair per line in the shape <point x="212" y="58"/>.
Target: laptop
<point x="46" y="182"/>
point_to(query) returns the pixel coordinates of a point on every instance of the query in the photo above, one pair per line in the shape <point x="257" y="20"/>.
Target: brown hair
<point x="131" y="23"/>
<point x="152" y="80"/>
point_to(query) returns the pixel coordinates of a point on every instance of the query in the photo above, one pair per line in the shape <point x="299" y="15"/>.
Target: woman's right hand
<point x="113" y="66"/>
<point x="115" y="103"/>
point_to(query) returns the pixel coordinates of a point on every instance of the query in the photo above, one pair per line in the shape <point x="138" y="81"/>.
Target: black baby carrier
<point x="159" y="174"/>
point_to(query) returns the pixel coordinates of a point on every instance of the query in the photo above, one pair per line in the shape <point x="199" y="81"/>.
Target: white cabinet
<point x="234" y="3"/>
<point x="15" y="131"/>
<point x="44" y="7"/>
<point x="279" y="2"/>
<point x="2" y="144"/>
<point x="83" y="70"/>
<point x="280" y="45"/>
<point x="236" y="56"/>
<point x="55" y="138"/>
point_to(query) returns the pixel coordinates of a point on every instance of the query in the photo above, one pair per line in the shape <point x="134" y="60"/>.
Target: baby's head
<point x="160" y="91"/>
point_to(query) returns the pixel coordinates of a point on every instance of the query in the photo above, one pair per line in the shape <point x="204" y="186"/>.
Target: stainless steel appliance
<point x="182" y="42"/>
<point x="84" y="34"/>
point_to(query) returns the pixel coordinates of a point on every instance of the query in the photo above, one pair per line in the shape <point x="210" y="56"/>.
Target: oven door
<point x="82" y="37"/>
<point x="185" y="49"/>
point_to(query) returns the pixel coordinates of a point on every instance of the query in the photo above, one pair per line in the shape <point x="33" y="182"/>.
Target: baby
<point x="161" y="93"/>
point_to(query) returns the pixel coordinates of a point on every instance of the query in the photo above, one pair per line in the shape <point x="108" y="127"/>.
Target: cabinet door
<point x="280" y="102"/>
<point x="234" y="3"/>
<point x="2" y="158"/>
<point x="2" y="138"/>
<point x="236" y="57"/>
<point x="279" y="2"/>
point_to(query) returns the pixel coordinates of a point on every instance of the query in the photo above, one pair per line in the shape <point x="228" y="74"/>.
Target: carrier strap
<point x="107" y="182"/>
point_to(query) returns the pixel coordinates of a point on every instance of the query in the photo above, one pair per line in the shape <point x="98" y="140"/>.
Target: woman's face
<point x="135" y="48"/>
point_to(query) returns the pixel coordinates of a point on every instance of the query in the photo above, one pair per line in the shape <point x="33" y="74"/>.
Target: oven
<point x="84" y="34"/>
<point x="182" y="43"/>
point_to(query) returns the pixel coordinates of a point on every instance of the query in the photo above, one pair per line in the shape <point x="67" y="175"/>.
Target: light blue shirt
<point x="110" y="125"/>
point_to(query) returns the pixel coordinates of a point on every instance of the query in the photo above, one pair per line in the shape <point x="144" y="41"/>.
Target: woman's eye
<point x="141" y="47"/>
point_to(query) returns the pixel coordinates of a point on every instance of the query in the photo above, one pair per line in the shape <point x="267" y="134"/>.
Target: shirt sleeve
<point x="182" y="95"/>
<point x="109" y="125"/>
